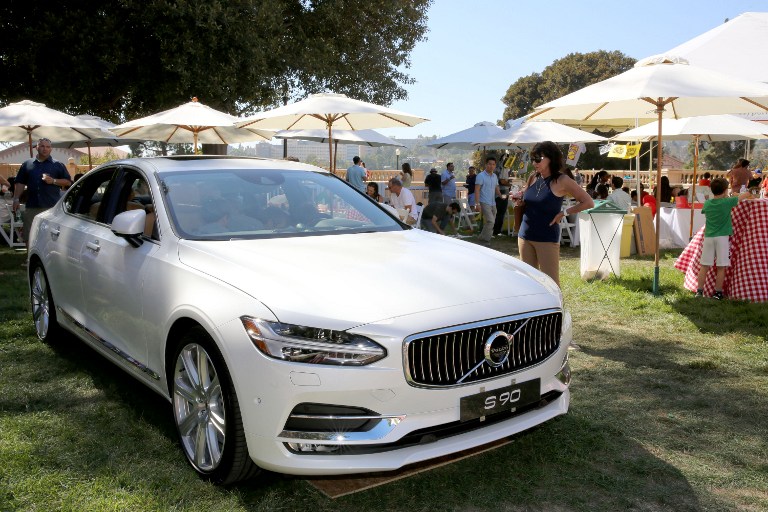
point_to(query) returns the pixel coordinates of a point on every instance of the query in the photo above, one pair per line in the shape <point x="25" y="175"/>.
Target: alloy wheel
<point x="199" y="410"/>
<point x="41" y="312"/>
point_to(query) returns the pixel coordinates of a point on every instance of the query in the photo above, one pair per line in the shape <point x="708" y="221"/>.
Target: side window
<point x="134" y="194"/>
<point x="86" y="196"/>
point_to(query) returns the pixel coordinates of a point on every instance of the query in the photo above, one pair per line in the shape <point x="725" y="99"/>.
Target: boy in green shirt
<point x="717" y="229"/>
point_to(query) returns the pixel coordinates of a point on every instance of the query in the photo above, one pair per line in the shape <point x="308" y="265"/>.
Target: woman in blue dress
<point x="539" y="237"/>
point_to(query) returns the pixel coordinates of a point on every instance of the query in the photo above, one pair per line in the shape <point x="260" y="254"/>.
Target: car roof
<point x="212" y="162"/>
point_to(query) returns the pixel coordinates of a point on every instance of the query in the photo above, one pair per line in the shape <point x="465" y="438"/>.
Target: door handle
<point x="55" y="232"/>
<point x="94" y="246"/>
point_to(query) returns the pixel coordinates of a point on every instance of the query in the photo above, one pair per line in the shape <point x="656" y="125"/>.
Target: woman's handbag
<point x="520" y="206"/>
<point x="519" y="211"/>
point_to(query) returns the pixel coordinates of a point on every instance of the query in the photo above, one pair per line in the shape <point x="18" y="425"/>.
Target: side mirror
<point x="130" y="225"/>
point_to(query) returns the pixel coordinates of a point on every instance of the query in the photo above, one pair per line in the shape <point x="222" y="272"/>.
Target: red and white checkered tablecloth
<point x="747" y="277"/>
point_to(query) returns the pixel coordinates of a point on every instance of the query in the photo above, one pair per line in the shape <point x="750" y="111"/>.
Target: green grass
<point x="669" y="412"/>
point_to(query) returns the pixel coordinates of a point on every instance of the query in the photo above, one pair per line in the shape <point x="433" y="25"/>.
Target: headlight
<point x="300" y="344"/>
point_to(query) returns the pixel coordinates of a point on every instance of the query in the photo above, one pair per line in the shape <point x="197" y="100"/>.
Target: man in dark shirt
<point x="469" y="184"/>
<point x="436" y="215"/>
<point x="435" y="186"/>
<point x="43" y="178"/>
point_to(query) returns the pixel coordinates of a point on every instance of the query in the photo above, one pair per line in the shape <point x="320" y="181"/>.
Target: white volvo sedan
<point x="293" y="324"/>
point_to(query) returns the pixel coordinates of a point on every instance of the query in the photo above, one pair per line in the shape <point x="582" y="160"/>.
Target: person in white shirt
<point x="618" y="196"/>
<point x="402" y="199"/>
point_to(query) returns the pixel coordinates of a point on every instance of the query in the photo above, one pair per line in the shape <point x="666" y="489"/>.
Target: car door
<point x="62" y="238"/>
<point x="113" y="271"/>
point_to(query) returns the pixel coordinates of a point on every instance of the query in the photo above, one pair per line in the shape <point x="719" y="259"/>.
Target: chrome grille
<point x="453" y="357"/>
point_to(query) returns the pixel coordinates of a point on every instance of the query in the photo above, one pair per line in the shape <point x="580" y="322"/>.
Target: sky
<point x="476" y="49"/>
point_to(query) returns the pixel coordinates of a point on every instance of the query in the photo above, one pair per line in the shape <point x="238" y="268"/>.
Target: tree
<point x="563" y="76"/>
<point x="121" y="59"/>
<point x="721" y="155"/>
<point x="571" y="73"/>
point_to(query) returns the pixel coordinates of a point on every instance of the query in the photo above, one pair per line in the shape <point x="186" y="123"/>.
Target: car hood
<point x="343" y="281"/>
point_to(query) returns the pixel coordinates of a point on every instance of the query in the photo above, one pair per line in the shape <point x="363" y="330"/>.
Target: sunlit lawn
<point x="669" y="412"/>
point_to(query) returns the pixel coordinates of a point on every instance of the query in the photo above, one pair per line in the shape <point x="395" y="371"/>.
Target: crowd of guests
<point x="488" y="192"/>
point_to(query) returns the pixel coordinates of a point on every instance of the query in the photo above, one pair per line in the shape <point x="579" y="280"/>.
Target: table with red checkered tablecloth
<point x="747" y="277"/>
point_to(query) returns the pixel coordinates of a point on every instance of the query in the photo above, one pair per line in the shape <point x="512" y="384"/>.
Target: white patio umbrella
<point x="658" y="87"/>
<point x="20" y="121"/>
<point x="713" y="128"/>
<point x="370" y="138"/>
<point x="191" y="122"/>
<point x="328" y="111"/>
<point x="107" y="138"/>
<point x="533" y="132"/>
<point x="466" y="139"/>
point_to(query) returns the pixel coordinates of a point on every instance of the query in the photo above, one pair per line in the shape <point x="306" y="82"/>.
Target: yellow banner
<point x="624" y="151"/>
<point x="618" y="151"/>
<point x="632" y="151"/>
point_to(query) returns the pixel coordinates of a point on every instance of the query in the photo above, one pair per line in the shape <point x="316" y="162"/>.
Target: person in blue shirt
<point x="448" y="182"/>
<point x="43" y="177"/>
<point x="356" y="175"/>
<point x="486" y="192"/>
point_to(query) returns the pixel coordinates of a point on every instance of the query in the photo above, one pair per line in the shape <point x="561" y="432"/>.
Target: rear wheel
<point x="207" y="413"/>
<point x="43" y="308"/>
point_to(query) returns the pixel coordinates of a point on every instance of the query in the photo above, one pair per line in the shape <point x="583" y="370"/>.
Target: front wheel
<point x="207" y="413"/>
<point x="43" y="308"/>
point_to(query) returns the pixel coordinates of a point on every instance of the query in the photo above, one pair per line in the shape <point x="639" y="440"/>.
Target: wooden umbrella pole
<point x="659" y="110"/>
<point x="194" y="148"/>
<point x="693" y="188"/>
<point x="331" y="164"/>
<point x="335" y="152"/>
<point x="90" y="164"/>
<point x="29" y="134"/>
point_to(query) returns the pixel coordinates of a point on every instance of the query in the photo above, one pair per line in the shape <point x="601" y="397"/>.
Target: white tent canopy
<point x="737" y="47"/>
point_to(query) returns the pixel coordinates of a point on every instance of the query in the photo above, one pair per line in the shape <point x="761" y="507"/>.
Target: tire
<point x="43" y="307"/>
<point x="206" y="412"/>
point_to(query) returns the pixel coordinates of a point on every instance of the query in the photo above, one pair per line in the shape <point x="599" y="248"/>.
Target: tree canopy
<point x="121" y="59"/>
<point x="563" y="76"/>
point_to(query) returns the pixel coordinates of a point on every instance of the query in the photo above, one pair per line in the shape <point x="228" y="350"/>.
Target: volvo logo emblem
<point x="497" y="348"/>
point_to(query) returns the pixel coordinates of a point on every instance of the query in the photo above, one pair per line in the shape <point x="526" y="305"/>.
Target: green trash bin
<point x="601" y="233"/>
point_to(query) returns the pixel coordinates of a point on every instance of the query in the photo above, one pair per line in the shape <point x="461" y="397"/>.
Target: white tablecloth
<point x="675" y="225"/>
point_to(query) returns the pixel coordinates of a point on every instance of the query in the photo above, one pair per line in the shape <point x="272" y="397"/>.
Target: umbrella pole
<point x="194" y="144"/>
<point x="90" y="165"/>
<point x="693" y="188"/>
<point x="659" y="110"/>
<point x="29" y="134"/>
<point x="331" y="165"/>
<point x="335" y="152"/>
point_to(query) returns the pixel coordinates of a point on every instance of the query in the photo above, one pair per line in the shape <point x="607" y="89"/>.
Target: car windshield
<point x="268" y="203"/>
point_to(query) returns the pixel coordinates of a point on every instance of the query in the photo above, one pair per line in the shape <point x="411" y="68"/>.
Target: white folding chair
<point x="466" y="215"/>
<point x="14" y="234"/>
<point x="566" y="230"/>
<point x="419" y="212"/>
